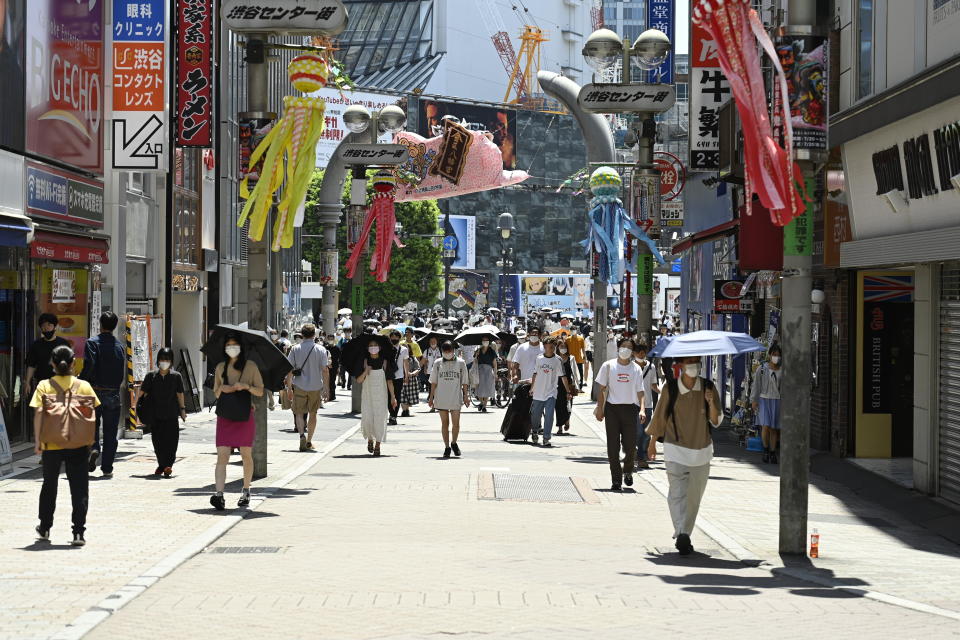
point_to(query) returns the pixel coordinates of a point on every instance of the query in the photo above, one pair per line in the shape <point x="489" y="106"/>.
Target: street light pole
<point x="505" y="225"/>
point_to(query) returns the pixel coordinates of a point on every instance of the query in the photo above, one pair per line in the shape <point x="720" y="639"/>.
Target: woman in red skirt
<point x="236" y="375"/>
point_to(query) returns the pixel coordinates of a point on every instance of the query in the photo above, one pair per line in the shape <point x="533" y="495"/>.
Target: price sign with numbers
<point x="709" y="90"/>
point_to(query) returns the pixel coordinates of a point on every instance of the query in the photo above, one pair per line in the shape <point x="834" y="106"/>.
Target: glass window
<point x="865" y="54"/>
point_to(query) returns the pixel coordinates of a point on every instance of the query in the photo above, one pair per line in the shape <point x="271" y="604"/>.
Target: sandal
<point x="370" y="446"/>
<point x="376" y="451"/>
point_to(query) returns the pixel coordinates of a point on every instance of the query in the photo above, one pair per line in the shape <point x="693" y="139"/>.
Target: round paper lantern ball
<point x="384" y="181"/>
<point x="308" y="72"/>
<point x="605" y="181"/>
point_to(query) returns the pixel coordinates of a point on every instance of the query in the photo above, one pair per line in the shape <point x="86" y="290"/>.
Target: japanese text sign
<point x="195" y="73"/>
<point x="626" y="98"/>
<point x="660" y="15"/>
<point x="373" y="154"/>
<point x="59" y="195"/>
<point x="313" y="17"/>
<point x="139" y="83"/>
<point x="709" y="90"/>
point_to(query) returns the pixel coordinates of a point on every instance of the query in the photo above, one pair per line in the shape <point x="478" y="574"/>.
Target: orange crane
<point x="501" y="42"/>
<point x="530" y="42"/>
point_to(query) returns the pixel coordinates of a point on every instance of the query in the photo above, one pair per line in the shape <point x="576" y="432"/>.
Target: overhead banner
<point x="12" y="17"/>
<point x="709" y="90"/>
<point x="661" y="15"/>
<point x="194" y="73"/>
<point x="500" y="123"/>
<point x="65" y="85"/>
<point x="139" y="84"/>
<point x="334" y="130"/>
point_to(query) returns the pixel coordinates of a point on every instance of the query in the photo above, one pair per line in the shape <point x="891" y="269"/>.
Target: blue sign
<point x="138" y="20"/>
<point x="676" y="266"/>
<point x="661" y="15"/>
<point x="53" y="194"/>
<point x="450" y="243"/>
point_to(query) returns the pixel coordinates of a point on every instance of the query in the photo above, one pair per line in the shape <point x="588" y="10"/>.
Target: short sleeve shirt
<point x="402" y="354"/>
<point x="548" y="372"/>
<point x="38" y="356"/>
<point x="44" y="388"/>
<point x="623" y="381"/>
<point x="526" y="358"/>
<point x="162" y="393"/>
<point x="312" y="359"/>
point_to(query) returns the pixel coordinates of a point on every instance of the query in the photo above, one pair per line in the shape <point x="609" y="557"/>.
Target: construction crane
<point x="529" y="60"/>
<point x="501" y="42"/>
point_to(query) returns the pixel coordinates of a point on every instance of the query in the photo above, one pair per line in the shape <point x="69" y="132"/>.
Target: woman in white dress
<point x="449" y="387"/>
<point x="374" y="398"/>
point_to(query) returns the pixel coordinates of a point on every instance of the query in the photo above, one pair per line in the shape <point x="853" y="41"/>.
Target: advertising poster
<point x="569" y="293"/>
<point x="465" y="230"/>
<point x="64" y="286"/>
<point x="500" y="123"/>
<point x="333" y="129"/>
<point x="71" y="313"/>
<point x="195" y="73"/>
<point x="65" y="93"/>
<point x="709" y="90"/>
<point x="510" y="295"/>
<point x="469" y="291"/>
<point x="12" y="17"/>
<point x="804" y="62"/>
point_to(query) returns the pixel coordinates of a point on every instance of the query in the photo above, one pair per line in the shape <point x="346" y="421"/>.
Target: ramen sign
<point x="673" y="175"/>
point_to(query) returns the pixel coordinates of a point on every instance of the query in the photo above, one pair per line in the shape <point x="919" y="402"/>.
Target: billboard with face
<point x="500" y="123"/>
<point x="12" y="14"/>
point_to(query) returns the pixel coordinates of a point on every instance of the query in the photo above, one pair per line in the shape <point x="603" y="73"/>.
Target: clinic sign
<point x="139" y="84"/>
<point x="59" y="195"/>
<point x="308" y="17"/>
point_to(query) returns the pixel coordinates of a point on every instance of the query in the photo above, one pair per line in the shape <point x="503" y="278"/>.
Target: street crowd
<point x="530" y="367"/>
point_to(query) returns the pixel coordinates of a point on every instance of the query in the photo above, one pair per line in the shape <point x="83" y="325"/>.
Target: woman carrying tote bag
<point x="234" y="381"/>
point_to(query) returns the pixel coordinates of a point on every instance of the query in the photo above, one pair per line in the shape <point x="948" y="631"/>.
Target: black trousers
<point x="166" y="437"/>
<point x="397" y="388"/>
<point x="333" y="383"/>
<point x="580" y="369"/>
<point x="75" y="461"/>
<point x="562" y="411"/>
<point x="621" y="423"/>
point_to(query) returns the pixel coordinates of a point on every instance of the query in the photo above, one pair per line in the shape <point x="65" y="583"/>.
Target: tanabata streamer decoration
<point x="291" y="142"/>
<point x="482" y="169"/>
<point x="609" y="225"/>
<point x="770" y="171"/>
<point x="382" y="214"/>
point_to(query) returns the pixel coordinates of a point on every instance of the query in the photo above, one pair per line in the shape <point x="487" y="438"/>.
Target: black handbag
<point x="234" y="406"/>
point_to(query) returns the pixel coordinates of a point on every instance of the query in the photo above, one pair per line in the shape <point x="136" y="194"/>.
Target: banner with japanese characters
<point x="660" y="15"/>
<point x="194" y="119"/>
<point x="139" y="83"/>
<point x="709" y="90"/>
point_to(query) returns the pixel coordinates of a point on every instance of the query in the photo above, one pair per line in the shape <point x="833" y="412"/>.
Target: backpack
<point x="674" y="388"/>
<point x="69" y="419"/>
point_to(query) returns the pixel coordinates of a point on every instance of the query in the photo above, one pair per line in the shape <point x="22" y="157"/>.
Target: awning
<point x="48" y="245"/>
<point x="707" y="235"/>
<point x="14" y="229"/>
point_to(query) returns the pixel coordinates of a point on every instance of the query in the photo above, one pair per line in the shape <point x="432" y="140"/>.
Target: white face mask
<point x="624" y="353"/>
<point x="163" y="365"/>
<point x="534" y="339"/>
<point x="448" y="356"/>
<point x="692" y="370"/>
<point x="775" y="359"/>
<point x="373" y="350"/>
<point x="562" y="351"/>
<point x="232" y="351"/>
<point x="485" y="343"/>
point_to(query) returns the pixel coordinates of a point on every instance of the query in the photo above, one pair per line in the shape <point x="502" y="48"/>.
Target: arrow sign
<point x="139" y="150"/>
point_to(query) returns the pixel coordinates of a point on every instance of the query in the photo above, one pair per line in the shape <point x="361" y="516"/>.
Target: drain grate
<point x="509" y="486"/>
<point x="243" y="550"/>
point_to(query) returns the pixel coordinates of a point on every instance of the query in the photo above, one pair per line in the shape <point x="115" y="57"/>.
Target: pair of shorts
<point x="305" y="401"/>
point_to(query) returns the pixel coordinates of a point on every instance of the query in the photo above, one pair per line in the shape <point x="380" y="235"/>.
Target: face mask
<point x="624" y="353"/>
<point x="233" y="351"/>
<point x="485" y="343"/>
<point x="534" y="339"/>
<point x="692" y="370"/>
<point x="395" y="341"/>
<point x="163" y="365"/>
<point x="447" y="355"/>
<point x="775" y="359"/>
<point x="373" y="350"/>
<point x="49" y="334"/>
<point x="562" y="351"/>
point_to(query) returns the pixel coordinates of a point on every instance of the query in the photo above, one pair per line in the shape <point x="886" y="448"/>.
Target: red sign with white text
<point x="194" y="73"/>
<point x="65" y="248"/>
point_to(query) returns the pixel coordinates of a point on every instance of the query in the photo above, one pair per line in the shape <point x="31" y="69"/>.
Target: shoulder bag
<point x="233" y="406"/>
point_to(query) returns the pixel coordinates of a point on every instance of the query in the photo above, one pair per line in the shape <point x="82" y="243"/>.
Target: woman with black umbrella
<point x="377" y="389"/>
<point x="234" y="382"/>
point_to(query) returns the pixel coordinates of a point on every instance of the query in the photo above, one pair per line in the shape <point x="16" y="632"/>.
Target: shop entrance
<point x="17" y="331"/>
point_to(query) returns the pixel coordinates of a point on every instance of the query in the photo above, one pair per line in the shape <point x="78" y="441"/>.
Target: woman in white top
<point x="430" y="355"/>
<point x="766" y="402"/>
<point x="449" y="387"/>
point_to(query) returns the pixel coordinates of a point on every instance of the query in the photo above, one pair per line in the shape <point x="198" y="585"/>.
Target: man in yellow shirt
<point x="575" y="344"/>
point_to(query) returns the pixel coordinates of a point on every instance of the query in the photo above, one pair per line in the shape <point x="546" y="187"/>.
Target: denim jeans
<point x="108" y="421"/>
<point x="643" y="440"/>
<point x="543" y="409"/>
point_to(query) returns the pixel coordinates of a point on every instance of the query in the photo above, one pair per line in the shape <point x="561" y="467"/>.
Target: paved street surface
<point x="511" y="541"/>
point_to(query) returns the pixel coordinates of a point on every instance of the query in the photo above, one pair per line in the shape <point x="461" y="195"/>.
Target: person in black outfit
<point x="163" y="403"/>
<point x="104" y="367"/>
<point x="334" y="351"/>
<point x="38" y="356"/>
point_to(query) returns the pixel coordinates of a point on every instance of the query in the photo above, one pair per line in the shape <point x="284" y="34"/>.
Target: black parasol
<point x="257" y="347"/>
<point x="355" y="352"/>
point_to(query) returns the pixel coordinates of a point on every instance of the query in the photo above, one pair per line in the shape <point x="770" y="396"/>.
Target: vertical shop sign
<point x="194" y="73"/>
<point x="709" y="90"/>
<point x="645" y="275"/>
<point x="798" y="233"/>
<point x="660" y="15"/>
<point x="139" y="84"/>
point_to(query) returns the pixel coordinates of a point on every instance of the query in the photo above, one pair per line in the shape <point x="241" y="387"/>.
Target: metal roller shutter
<point x="949" y="447"/>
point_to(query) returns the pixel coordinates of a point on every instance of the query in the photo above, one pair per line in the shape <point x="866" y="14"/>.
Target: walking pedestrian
<point x="306" y="384"/>
<point x="619" y="398"/>
<point x="234" y="381"/>
<point x="104" y="367"/>
<point x="649" y="374"/>
<point x="410" y="393"/>
<point x="398" y="375"/>
<point x="73" y="456"/>
<point x="766" y="402"/>
<point x="576" y="345"/>
<point x="548" y="373"/>
<point x="345" y="377"/>
<point x="525" y="357"/>
<point x="334" y="369"/>
<point x="564" y="398"/>
<point x="688" y="407"/>
<point x="449" y="387"/>
<point x="430" y="356"/>
<point x="159" y="403"/>
<point x="588" y="356"/>
<point x="38" y="355"/>
<point x="485" y="360"/>
<point x="378" y="397"/>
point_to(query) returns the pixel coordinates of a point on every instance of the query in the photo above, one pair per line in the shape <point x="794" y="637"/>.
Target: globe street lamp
<point x="505" y="225"/>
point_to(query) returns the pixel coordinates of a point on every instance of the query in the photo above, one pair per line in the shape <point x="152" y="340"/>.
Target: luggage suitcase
<point x="516" y="421"/>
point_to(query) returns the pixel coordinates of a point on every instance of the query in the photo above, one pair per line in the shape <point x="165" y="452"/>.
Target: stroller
<point x="516" y="421"/>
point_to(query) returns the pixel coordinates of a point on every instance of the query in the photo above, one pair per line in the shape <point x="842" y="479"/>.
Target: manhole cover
<point x="509" y="486"/>
<point x="243" y="550"/>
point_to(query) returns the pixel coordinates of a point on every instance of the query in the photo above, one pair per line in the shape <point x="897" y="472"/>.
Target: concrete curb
<point x="85" y="622"/>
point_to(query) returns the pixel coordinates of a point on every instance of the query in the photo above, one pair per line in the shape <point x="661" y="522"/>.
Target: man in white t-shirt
<point x="619" y="400"/>
<point x="547" y="375"/>
<point x="525" y="358"/>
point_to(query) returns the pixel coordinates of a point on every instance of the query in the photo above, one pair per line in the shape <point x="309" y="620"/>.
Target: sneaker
<point x="536" y="438"/>
<point x="547" y="443"/>
<point x="683" y="544"/>
<point x="628" y="479"/>
<point x="310" y="446"/>
<point x="773" y="457"/>
<point x="42" y="534"/>
<point x="446" y="452"/>
<point x="303" y="443"/>
<point x="92" y="464"/>
<point x="405" y="414"/>
<point x="643" y="464"/>
<point x="218" y="502"/>
<point x="167" y="472"/>
<point x="107" y="475"/>
<point x="456" y="449"/>
<point x="244" y="498"/>
<point x="392" y="421"/>
<point x="78" y="540"/>
<point x="615" y="486"/>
